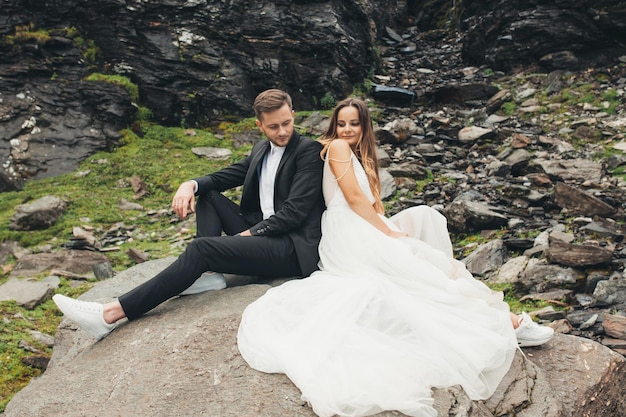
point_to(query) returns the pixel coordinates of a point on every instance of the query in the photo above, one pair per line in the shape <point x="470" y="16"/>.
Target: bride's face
<point x="349" y="126"/>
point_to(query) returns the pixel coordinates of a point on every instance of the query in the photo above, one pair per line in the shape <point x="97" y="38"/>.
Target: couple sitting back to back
<point x="384" y="314"/>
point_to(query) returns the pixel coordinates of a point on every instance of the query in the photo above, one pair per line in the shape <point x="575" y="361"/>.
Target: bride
<point x="390" y="314"/>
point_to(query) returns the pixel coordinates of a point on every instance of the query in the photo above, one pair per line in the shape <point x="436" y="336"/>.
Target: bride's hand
<point x="396" y="234"/>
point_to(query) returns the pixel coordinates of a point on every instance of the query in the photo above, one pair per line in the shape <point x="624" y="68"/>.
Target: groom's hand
<point x="184" y="201"/>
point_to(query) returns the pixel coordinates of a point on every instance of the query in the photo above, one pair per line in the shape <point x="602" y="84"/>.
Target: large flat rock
<point x="181" y="359"/>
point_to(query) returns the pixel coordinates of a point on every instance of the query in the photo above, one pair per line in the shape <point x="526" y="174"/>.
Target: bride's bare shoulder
<point x="339" y="148"/>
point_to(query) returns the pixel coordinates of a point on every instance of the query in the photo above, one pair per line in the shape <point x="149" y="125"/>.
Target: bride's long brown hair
<point x="365" y="149"/>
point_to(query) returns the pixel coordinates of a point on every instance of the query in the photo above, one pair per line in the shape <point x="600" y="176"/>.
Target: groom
<point x="274" y="232"/>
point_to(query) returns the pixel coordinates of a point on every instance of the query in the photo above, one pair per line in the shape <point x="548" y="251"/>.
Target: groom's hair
<point x="269" y="101"/>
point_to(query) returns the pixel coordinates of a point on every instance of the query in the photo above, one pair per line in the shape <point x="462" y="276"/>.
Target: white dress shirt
<point x="268" y="175"/>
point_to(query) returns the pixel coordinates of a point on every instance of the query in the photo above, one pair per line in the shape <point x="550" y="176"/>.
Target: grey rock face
<point x="47" y="127"/>
<point x="192" y="61"/>
<point x="509" y="34"/>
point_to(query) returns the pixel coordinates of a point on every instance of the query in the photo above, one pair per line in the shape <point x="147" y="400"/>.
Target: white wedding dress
<point x="383" y="321"/>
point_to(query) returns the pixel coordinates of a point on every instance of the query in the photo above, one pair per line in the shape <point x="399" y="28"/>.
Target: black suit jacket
<point x="298" y="200"/>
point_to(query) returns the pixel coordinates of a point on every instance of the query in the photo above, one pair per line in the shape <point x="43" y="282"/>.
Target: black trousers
<point x="211" y="251"/>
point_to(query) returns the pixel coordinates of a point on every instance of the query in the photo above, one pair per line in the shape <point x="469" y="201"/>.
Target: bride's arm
<point x="340" y="161"/>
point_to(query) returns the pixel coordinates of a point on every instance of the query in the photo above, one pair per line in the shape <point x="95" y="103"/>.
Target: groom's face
<point x="277" y="125"/>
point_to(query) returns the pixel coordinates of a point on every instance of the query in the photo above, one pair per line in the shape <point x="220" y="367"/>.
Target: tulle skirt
<point x="383" y="322"/>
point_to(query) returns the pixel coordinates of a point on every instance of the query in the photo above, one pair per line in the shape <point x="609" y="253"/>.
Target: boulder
<point x="464" y="215"/>
<point x="39" y="214"/>
<point x="73" y="263"/>
<point x="579" y="202"/>
<point x="182" y="359"/>
<point x="28" y="293"/>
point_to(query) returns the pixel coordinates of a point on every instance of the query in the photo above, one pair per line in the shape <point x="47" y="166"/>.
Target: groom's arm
<point x="224" y="179"/>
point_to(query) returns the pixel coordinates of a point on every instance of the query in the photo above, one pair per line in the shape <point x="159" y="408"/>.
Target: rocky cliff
<point x="512" y="35"/>
<point x="196" y="62"/>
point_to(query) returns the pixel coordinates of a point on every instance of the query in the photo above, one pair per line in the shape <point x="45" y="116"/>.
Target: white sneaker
<point x="88" y="315"/>
<point x="207" y="282"/>
<point x="529" y="333"/>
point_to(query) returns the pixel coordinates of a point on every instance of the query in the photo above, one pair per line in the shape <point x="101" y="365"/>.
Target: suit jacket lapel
<point x="257" y="159"/>
<point x="293" y="144"/>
